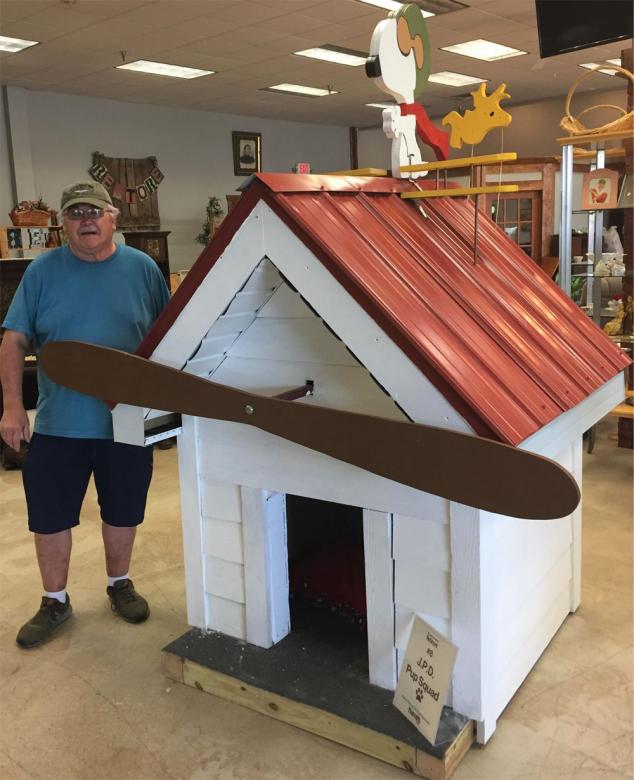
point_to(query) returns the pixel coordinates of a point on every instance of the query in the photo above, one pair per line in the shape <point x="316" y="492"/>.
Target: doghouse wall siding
<point x="223" y="558"/>
<point x="534" y="584"/>
<point x="422" y="580"/>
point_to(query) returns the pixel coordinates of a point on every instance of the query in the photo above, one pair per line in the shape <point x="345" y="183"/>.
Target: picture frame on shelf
<point x="14" y="238"/>
<point x="37" y="238"/>
<point x="247" y="152"/>
<point x="599" y="189"/>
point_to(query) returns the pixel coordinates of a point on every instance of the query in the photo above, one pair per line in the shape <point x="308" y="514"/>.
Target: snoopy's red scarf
<point x="427" y="132"/>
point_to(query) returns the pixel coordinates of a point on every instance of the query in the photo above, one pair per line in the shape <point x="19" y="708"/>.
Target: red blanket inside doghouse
<point x="335" y="577"/>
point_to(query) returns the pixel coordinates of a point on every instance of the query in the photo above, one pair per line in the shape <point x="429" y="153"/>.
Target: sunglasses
<point x="83" y="212"/>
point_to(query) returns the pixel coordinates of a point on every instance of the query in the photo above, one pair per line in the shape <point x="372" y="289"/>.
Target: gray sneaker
<point x="125" y="601"/>
<point x="49" y="617"/>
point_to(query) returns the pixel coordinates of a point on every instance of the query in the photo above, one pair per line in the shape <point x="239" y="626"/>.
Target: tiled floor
<point x="93" y="702"/>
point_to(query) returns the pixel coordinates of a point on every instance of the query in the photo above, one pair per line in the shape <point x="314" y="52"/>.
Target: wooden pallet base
<point x="325" y="694"/>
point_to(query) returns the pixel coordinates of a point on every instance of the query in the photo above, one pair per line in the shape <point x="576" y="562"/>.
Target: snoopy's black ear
<point x="373" y="67"/>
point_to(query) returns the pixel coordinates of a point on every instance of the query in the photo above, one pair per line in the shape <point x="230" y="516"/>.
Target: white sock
<point x="60" y="595"/>
<point x="112" y="580"/>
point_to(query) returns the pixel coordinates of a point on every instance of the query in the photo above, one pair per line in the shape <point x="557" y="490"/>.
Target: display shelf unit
<point x="28" y="241"/>
<point x="597" y="154"/>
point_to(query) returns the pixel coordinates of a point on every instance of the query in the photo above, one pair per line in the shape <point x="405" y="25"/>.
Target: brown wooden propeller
<point x="468" y="469"/>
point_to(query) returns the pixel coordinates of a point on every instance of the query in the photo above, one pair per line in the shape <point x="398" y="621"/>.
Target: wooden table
<point x="625" y="413"/>
<point x="623" y="409"/>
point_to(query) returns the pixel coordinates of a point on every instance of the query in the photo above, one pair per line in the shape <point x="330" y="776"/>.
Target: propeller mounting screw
<point x="249" y="409"/>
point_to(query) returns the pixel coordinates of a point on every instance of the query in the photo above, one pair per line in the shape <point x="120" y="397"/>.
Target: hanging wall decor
<point x="132" y="184"/>
<point x="247" y="152"/>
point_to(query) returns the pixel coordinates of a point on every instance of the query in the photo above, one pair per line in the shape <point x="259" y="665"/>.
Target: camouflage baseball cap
<point x="86" y="192"/>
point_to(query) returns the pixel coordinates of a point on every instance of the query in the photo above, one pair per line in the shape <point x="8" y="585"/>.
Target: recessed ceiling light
<point x="14" y="44"/>
<point x="299" y="89"/>
<point x="480" y="49"/>
<point x="337" y="54"/>
<point x="451" y="79"/>
<point x="381" y="105"/>
<point x="607" y="71"/>
<point x="163" y="69"/>
<point x="392" y="5"/>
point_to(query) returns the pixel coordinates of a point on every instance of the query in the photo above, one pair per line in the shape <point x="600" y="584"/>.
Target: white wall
<point x="532" y="133"/>
<point x="193" y="149"/>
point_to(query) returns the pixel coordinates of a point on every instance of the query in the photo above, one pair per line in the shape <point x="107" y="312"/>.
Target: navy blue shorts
<point x="56" y="473"/>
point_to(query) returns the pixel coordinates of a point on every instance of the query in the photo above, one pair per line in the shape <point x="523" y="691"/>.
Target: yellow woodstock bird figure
<point x="477" y="122"/>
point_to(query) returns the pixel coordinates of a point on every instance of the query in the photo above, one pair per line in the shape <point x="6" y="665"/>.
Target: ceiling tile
<point x="59" y="17"/>
<point x="340" y="11"/>
<point x="103" y="9"/>
<point x="164" y="13"/>
<point x="292" y="24"/>
<point x="30" y="31"/>
<point x="19" y="9"/>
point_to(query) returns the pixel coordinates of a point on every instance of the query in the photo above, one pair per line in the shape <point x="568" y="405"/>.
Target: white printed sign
<point x="424" y="678"/>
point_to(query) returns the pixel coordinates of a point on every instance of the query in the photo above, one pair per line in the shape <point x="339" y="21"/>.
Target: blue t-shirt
<point x="112" y="303"/>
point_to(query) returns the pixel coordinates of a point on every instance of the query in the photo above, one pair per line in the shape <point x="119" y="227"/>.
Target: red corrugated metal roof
<point x="497" y="337"/>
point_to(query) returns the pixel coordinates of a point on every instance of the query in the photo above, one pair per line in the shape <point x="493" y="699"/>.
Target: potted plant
<point x="214" y="217"/>
<point x="31" y="213"/>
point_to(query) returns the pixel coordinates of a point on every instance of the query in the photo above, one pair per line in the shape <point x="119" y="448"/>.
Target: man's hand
<point x="14" y="427"/>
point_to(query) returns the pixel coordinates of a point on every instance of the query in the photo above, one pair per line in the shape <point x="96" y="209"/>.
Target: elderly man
<point x="96" y="291"/>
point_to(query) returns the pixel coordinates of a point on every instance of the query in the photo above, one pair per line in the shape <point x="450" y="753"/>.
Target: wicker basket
<point x="574" y="126"/>
<point x="34" y="218"/>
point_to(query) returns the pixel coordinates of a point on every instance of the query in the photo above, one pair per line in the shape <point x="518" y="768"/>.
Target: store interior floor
<point x="93" y="702"/>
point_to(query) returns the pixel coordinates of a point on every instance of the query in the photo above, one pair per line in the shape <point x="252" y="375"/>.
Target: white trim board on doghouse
<point x="456" y="566"/>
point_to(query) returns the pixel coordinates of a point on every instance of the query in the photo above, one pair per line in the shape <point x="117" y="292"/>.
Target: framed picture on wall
<point x="247" y="152"/>
<point x="599" y="189"/>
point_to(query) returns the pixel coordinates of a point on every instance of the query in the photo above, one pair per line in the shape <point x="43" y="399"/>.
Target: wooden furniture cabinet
<point x="519" y="214"/>
<point x="527" y="216"/>
<point x="11" y="272"/>
<point x="154" y="244"/>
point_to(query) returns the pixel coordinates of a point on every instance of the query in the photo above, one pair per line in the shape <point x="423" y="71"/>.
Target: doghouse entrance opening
<point x="327" y="570"/>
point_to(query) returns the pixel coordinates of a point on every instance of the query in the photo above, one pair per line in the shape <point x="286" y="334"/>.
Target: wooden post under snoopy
<point x="399" y="63"/>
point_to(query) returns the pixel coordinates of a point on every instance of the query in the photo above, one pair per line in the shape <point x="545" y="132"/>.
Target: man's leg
<point x="122" y="478"/>
<point x="53" y="557"/>
<point x="55" y="475"/>
<point x="124" y="600"/>
<point x="118" y="543"/>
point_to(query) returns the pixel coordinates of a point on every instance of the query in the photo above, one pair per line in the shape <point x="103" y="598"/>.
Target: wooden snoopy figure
<point x="399" y="64"/>
<point x="486" y="114"/>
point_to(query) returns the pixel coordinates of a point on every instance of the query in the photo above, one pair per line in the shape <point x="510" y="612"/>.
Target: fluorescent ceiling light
<point x="335" y="54"/>
<point x="480" y="49"/>
<point x="163" y="69"/>
<point x="381" y="105"/>
<point x="14" y="44"/>
<point x="607" y="71"/>
<point x="451" y="79"/>
<point x="299" y="89"/>
<point x="392" y="5"/>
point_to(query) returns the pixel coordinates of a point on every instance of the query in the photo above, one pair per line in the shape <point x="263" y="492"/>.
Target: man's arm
<point x="14" y="424"/>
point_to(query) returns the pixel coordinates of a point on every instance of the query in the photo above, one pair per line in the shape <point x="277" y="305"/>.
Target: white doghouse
<point x="340" y="281"/>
